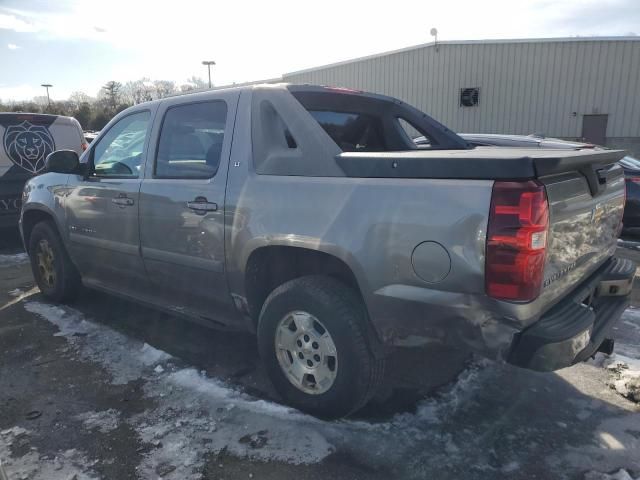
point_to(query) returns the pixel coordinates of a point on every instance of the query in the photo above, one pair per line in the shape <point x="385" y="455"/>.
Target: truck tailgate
<point x="584" y="225"/>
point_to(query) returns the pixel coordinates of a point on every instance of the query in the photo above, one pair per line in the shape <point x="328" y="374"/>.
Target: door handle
<point x="201" y="205"/>
<point x="122" y="201"/>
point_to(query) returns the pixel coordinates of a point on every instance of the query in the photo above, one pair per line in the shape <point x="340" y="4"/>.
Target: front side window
<point x="191" y="138"/>
<point x="119" y="152"/>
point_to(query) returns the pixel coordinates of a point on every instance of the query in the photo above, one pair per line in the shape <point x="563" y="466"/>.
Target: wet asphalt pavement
<point x="108" y="389"/>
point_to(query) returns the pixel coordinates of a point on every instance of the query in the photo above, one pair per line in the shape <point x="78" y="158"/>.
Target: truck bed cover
<point x="481" y="163"/>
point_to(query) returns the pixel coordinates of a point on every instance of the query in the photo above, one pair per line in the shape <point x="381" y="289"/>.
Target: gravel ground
<point x="108" y="389"/>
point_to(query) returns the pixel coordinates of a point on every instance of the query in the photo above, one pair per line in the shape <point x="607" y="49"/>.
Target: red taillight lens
<point x="85" y="146"/>
<point x="633" y="179"/>
<point x="516" y="241"/>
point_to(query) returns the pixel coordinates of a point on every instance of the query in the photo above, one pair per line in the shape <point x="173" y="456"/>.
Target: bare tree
<point x="193" y="83"/>
<point x="42" y="101"/>
<point x="164" y="88"/>
<point x="77" y="98"/>
<point x="111" y="91"/>
<point x="138" y="91"/>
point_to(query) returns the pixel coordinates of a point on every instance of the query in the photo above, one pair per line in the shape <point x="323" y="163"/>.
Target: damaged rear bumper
<point x="573" y="330"/>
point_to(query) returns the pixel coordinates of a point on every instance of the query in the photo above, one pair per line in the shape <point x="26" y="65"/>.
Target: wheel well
<point x="270" y="267"/>
<point x="30" y="219"/>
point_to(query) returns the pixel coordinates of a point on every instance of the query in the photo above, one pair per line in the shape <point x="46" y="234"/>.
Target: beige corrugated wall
<point x="525" y="86"/>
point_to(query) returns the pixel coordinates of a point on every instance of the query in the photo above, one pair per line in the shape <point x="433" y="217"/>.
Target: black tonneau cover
<point x="481" y="163"/>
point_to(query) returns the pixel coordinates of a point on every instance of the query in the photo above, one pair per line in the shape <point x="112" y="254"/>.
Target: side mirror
<point x="62" y="161"/>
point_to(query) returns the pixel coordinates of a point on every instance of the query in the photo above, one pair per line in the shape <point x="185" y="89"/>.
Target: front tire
<point x="312" y="339"/>
<point x="54" y="273"/>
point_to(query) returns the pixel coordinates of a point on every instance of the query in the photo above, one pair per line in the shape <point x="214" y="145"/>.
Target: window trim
<point x="95" y="143"/>
<point x="157" y="149"/>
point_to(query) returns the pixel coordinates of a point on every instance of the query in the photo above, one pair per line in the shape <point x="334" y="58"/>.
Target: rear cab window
<point x="366" y="123"/>
<point x="352" y="131"/>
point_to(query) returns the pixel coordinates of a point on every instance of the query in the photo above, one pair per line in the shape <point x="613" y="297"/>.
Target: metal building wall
<point x="533" y="86"/>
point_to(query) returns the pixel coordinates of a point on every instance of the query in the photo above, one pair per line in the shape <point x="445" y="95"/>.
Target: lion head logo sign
<point x="28" y="145"/>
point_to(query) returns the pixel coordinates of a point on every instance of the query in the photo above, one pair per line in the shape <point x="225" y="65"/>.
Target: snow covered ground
<point x="495" y="421"/>
<point x="13" y="259"/>
<point x="483" y="421"/>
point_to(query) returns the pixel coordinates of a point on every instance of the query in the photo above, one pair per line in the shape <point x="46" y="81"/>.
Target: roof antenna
<point x="434" y="34"/>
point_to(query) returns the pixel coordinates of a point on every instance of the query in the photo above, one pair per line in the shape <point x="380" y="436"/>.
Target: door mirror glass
<point x="62" y="161"/>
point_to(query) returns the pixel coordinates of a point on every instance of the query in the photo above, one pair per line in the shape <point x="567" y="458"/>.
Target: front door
<point x="182" y="205"/>
<point x="594" y="128"/>
<point x="102" y="208"/>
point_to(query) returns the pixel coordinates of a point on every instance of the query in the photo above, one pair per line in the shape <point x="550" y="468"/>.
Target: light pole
<point x="47" y="85"/>
<point x="208" y="63"/>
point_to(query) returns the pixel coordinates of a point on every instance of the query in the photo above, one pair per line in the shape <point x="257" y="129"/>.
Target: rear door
<point x="102" y="208"/>
<point x="182" y="204"/>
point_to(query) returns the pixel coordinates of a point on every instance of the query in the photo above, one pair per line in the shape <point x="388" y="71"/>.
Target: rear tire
<point x="54" y="273"/>
<point x="325" y="320"/>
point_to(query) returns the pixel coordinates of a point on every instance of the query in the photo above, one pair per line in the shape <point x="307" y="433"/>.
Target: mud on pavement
<point x="108" y="389"/>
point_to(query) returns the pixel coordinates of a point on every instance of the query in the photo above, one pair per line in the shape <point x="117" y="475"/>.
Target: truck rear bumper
<point x="573" y="330"/>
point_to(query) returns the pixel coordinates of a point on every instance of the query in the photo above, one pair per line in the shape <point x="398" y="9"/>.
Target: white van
<point x="25" y="141"/>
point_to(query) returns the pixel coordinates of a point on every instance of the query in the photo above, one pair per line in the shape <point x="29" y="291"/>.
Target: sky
<point x="80" y="45"/>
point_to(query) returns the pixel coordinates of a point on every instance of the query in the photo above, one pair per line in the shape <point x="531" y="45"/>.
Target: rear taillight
<point x="516" y="241"/>
<point x="84" y="146"/>
<point x="633" y="179"/>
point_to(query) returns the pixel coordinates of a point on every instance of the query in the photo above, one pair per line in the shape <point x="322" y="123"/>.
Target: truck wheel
<point x="312" y="339"/>
<point x="57" y="278"/>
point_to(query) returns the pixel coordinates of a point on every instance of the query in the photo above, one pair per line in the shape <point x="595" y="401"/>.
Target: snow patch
<point x="125" y="358"/>
<point x="16" y="292"/>
<point x="435" y="410"/>
<point x="104" y="421"/>
<point x="200" y="415"/>
<point x="626" y="376"/>
<point x="151" y="356"/>
<point x="197" y="415"/>
<point x="15" y="259"/>
<point x="70" y="464"/>
<point x="619" y="475"/>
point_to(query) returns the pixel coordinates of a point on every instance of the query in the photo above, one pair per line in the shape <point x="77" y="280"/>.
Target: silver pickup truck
<point x="309" y="216"/>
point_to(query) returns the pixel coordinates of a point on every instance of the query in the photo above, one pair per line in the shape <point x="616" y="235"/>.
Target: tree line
<point x="94" y="113"/>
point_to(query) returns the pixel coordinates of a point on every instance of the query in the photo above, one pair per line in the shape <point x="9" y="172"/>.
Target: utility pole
<point x="47" y="85"/>
<point x="208" y="63"/>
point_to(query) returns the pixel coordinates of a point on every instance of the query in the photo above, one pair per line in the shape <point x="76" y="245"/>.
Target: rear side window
<point x="190" y="144"/>
<point x="417" y="136"/>
<point x="352" y="131"/>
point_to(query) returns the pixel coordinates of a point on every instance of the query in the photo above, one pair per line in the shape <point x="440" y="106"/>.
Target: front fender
<point x="45" y="194"/>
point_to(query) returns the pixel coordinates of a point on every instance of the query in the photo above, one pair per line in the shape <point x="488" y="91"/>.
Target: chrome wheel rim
<point x="306" y="352"/>
<point x="46" y="263"/>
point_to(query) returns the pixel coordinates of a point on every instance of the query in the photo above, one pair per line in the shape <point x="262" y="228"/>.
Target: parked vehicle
<point x="631" y="219"/>
<point x="27" y="138"/>
<point x="90" y="136"/>
<point x="528" y="141"/>
<point x="309" y="216"/>
<point x="630" y="165"/>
